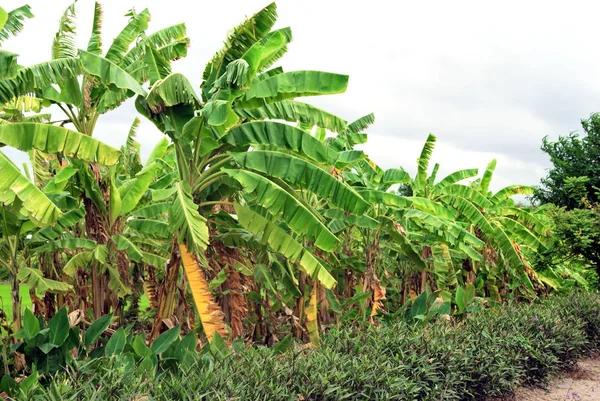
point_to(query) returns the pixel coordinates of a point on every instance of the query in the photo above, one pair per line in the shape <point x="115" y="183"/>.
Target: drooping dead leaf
<point x="378" y="296"/>
<point x="75" y="317"/>
<point x="19" y="360"/>
<point x="210" y="314"/>
<point x="169" y="323"/>
<point x="528" y="270"/>
<point x="490" y="255"/>
<point x="400" y="228"/>
<point x="150" y="287"/>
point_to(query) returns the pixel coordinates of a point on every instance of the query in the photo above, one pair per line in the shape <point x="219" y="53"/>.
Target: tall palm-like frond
<point x="423" y="164"/>
<point x="64" y="45"/>
<point x="12" y="23"/>
<point x="95" y="42"/>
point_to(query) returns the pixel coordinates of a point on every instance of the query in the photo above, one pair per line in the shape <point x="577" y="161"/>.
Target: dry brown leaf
<point x="378" y="296"/>
<point x="75" y="317"/>
<point x="400" y="228"/>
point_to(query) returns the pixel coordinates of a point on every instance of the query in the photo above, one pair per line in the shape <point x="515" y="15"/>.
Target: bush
<point x="489" y="354"/>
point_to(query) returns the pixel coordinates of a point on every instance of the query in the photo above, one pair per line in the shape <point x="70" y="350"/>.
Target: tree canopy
<point x="576" y="167"/>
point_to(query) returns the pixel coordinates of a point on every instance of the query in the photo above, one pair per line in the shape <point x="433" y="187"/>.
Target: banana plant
<point x="492" y="217"/>
<point x="13" y="231"/>
<point x="400" y="235"/>
<point x="89" y="83"/>
<point x="231" y="154"/>
<point x="16" y="189"/>
<point x="129" y="245"/>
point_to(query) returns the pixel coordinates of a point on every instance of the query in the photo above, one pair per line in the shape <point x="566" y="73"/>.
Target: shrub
<point x="489" y="354"/>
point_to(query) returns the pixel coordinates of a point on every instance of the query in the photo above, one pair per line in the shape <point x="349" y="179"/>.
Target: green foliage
<point x="489" y="355"/>
<point x="58" y="346"/>
<point x="572" y="185"/>
<point x="573" y="157"/>
<point x="11" y="23"/>
<point x="270" y="212"/>
<point x="574" y="253"/>
<point x="14" y="185"/>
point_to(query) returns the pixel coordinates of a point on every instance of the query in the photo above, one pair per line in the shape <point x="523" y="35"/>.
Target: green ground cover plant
<point x="487" y="355"/>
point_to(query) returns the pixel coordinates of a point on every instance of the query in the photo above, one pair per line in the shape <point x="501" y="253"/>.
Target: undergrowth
<point x="489" y="354"/>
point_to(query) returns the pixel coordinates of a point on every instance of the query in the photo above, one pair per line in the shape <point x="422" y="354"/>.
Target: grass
<point x="6" y="300"/>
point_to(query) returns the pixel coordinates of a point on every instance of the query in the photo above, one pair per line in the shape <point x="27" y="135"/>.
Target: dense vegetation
<point x="490" y="355"/>
<point x="573" y="187"/>
<point x="258" y="220"/>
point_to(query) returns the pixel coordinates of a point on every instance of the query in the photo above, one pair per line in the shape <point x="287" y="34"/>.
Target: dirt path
<point x="581" y="384"/>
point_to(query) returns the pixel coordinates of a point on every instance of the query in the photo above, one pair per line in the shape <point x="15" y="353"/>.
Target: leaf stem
<point x="209" y="180"/>
<point x="215" y="203"/>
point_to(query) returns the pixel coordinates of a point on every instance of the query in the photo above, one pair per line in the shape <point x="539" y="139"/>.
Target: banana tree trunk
<point x="237" y="309"/>
<point x="121" y="260"/>
<point x="299" y="310"/>
<point x="369" y="277"/>
<point x="232" y="301"/>
<point x="349" y="279"/>
<point x="58" y="265"/>
<point x="258" y="326"/>
<point x="427" y="255"/>
<point x="349" y="282"/>
<point x="167" y="291"/>
<point x="49" y="265"/>
<point x="97" y="229"/>
<point x="324" y="316"/>
<point x="423" y="281"/>
<point x="16" y="301"/>
<point x="136" y="283"/>
<point x="321" y="297"/>
<point x="81" y="289"/>
<point x="182" y="305"/>
<point x="99" y="283"/>
<point x="13" y="269"/>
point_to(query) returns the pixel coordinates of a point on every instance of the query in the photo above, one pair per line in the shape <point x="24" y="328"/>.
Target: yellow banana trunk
<point x="312" y="325"/>
<point x="210" y="314"/>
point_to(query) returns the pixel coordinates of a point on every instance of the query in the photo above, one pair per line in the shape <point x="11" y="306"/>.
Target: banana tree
<point x="527" y="230"/>
<point x="16" y="189"/>
<point x="48" y="139"/>
<point x="491" y="217"/>
<point x="89" y="84"/>
<point x="230" y="153"/>
<point x="400" y="235"/>
<point x="127" y="249"/>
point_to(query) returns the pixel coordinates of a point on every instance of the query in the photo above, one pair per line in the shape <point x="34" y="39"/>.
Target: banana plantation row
<point x="255" y="216"/>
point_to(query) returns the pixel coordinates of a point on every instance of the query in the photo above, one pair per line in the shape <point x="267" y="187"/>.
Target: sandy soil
<point x="580" y="384"/>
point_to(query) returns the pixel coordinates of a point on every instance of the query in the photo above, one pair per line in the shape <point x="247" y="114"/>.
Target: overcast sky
<point x="490" y="81"/>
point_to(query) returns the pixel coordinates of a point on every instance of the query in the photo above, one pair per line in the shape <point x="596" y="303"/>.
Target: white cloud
<point x="489" y="79"/>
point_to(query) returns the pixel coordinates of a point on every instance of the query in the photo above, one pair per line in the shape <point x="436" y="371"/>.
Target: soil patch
<point x="582" y="383"/>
